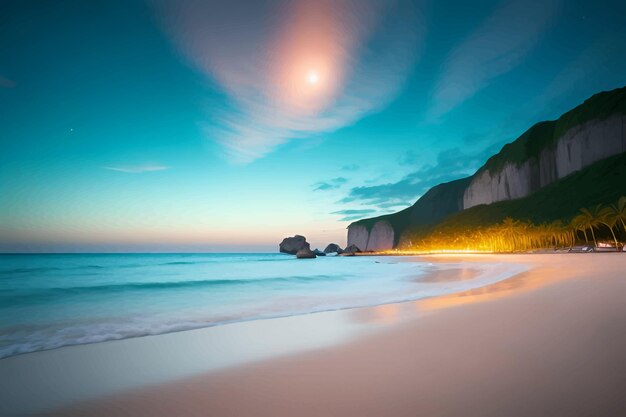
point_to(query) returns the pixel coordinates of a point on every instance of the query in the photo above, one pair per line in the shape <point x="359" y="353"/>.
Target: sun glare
<point x="312" y="78"/>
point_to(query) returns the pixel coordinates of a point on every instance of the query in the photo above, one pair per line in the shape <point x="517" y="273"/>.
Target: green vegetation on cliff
<point x="545" y="134"/>
<point x="442" y="206"/>
<point x="600" y="183"/>
<point x="438" y="202"/>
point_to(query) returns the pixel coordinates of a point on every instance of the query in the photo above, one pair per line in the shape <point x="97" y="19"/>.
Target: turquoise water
<point x="49" y="301"/>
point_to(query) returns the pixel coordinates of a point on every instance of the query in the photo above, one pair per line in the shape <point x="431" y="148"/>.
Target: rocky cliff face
<point x="544" y="154"/>
<point x="512" y="182"/>
<point x="358" y="235"/>
<point x="577" y="148"/>
<point x="379" y="238"/>
<point x="583" y="145"/>
<point x="382" y="233"/>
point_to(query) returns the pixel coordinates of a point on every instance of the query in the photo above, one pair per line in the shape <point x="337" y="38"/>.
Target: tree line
<point x="516" y="235"/>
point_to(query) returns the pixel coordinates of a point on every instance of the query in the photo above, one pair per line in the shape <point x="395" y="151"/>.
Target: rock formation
<point x="332" y="248"/>
<point x="305" y="253"/>
<point x="438" y="202"/>
<point x="292" y="245"/>
<point x="352" y="249"/>
<point x="318" y="252"/>
<point x="577" y="148"/>
<point x="358" y="235"/>
<point x="546" y="153"/>
<point x="381" y="236"/>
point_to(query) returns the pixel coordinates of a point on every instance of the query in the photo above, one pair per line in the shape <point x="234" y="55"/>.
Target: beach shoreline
<point x="191" y="297"/>
<point x="438" y="329"/>
<point x="510" y="349"/>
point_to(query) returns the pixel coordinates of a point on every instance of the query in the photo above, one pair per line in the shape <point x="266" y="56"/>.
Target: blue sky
<point x="196" y="126"/>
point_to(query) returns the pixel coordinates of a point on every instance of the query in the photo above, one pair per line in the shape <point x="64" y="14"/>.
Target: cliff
<point x="546" y="153"/>
<point x="578" y="147"/>
<point x="383" y="232"/>
<point x="380" y="237"/>
<point x="603" y="182"/>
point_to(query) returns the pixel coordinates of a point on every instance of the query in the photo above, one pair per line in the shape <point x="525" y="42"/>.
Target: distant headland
<point x="558" y="184"/>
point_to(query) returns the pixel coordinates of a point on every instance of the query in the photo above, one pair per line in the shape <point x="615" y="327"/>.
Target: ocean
<point x="54" y="300"/>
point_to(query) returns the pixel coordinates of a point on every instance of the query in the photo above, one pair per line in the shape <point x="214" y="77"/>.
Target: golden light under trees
<point x="519" y="236"/>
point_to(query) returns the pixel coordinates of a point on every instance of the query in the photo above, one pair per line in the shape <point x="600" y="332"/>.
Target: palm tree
<point x="557" y="233"/>
<point x="509" y="228"/>
<point x="620" y="211"/>
<point x="608" y="216"/>
<point x="588" y="220"/>
<point x="577" y="226"/>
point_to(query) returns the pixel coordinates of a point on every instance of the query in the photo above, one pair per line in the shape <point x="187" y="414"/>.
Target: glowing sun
<point x="312" y="77"/>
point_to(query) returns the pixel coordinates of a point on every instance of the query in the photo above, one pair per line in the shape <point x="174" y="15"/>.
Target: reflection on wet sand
<point x="383" y="314"/>
<point x="547" y="342"/>
<point x="523" y="282"/>
<point x="452" y="272"/>
<point x="449" y="275"/>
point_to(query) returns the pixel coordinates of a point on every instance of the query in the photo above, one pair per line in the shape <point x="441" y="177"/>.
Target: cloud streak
<point x="332" y="184"/>
<point x="350" y="167"/>
<point x="590" y="65"/>
<point x="500" y="44"/>
<point x="264" y="58"/>
<point x="451" y="164"/>
<point x="137" y="169"/>
<point x="353" y="214"/>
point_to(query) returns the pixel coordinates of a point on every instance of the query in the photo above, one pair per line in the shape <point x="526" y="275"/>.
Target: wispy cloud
<point x="353" y="214"/>
<point x="293" y="69"/>
<point x="501" y="43"/>
<point x="137" y="169"/>
<point x="350" y="167"/>
<point x="585" y="72"/>
<point x="451" y="164"/>
<point x="394" y="204"/>
<point x="409" y="158"/>
<point x="331" y="184"/>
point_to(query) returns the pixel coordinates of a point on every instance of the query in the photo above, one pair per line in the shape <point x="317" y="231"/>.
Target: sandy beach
<point x="547" y="342"/>
<point x="312" y="208"/>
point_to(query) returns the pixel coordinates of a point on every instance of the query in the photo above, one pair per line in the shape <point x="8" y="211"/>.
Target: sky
<point x="155" y="126"/>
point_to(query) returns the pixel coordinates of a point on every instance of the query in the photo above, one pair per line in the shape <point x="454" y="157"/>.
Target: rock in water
<point x="292" y="245"/>
<point x="305" y="253"/>
<point x="318" y="252"/>
<point x="333" y="247"/>
<point x="352" y="249"/>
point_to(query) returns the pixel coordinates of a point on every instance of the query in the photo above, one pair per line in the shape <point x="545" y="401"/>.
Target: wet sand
<point x="548" y="342"/>
<point x="449" y="275"/>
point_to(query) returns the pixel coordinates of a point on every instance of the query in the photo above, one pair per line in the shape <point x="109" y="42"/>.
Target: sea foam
<point x="50" y="301"/>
